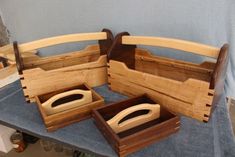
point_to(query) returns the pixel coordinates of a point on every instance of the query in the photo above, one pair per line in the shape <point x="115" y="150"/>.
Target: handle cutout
<point x="67" y="99"/>
<point x="134" y="114"/>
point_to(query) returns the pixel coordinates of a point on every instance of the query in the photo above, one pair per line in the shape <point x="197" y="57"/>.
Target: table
<point x="195" y="138"/>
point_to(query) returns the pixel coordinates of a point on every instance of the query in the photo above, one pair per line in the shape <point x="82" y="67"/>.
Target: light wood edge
<point x="183" y="45"/>
<point x="133" y="122"/>
<point x="87" y="98"/>
<point x="8" y="75"/>
<point x="60" y="40"/>
<point x="8" y="52"/>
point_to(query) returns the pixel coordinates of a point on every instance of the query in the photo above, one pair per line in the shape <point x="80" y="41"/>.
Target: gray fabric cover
<point x="195" y="139"/>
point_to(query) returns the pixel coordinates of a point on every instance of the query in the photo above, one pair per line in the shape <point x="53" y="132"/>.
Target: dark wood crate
<point x="64" y="118"/>
<point x="131" y="140"/>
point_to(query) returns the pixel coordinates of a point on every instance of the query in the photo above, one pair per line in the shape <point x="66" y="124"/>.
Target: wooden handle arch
<point x="124" y="45"/>
<point x="183" y="45"/>
<point x="105" y="39"/>
<point x="154" y="113"/>
<point x="50" y="109"/>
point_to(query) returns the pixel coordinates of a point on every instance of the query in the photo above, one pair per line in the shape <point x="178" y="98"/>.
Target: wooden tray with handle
<point x="135" y="123"/>
<point x="65" y="106"/>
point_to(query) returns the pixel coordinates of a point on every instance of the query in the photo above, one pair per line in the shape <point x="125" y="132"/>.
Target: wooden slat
<point x="61" y="39"/>
<point x="189" y="98"/>
<point x="182" y="45"/>
<point x="56" y="79"/>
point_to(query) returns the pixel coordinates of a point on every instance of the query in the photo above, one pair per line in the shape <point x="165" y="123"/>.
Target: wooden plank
<point x="8" y="75"/>
<point x="61" y="39"/>
<point x="64" y="60"/>
<point x="203" y="67"/>
<point x="174" y="105"/>
<point x="8" y="52"/>
<point x="177" y="70"/>
<point x="57" y="79"/>
<point x="38" y="60"/>
<point x="177" y="44"/>
<point x="7" y="49"/>
<point x="185" y="91"/>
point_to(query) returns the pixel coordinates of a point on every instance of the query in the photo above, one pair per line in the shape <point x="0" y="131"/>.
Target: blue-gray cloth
<point x="195" y="139"/>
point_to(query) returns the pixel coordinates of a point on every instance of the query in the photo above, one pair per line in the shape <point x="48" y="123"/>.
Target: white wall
<point x="209" y="21"/>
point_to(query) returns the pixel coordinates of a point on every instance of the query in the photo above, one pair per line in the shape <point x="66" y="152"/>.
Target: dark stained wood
<point x="122" y="53"/>
<point x="219" y="75"/>
<point x="172" y="69"/>
<point x="220" y="67"/>
<point x="3" y="61"/>
<point x="19" y="60"/>
<point x="64" y="118"/>
<point x="106" y="44"/>
<point x="138" y="137"/>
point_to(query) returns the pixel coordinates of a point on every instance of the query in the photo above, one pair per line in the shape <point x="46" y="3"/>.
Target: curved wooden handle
<point x="61" y="39"/>
<point x="177" y="44"/>
<point x="154" y="113"/>
<point x="50" y="109"/>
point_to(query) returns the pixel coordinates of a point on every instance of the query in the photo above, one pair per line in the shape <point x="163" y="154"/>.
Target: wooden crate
<point x="40" y="75"/>
<point x="140" y="136"/>
<point x="64" y="118"/>
<point x="182" y="87"/>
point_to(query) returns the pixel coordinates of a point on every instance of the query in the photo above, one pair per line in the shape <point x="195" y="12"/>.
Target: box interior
<point x="171" y="68"/>
<point x="63" y="60"/>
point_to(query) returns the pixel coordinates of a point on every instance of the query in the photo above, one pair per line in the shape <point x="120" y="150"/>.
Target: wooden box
<point x="61" y="119"/>
<point x="182" y="87"/>
<point x="131" y="140"/>
<point x="40" y="75"/>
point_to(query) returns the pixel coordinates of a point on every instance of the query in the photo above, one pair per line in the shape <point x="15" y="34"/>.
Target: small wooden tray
<point x="64" y="118"/>
<point x="140" y="136"/>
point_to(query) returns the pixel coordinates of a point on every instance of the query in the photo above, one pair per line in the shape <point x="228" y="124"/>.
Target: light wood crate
<point x="182" y="87"/>
<point x="40" y="75"/>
